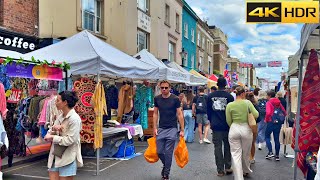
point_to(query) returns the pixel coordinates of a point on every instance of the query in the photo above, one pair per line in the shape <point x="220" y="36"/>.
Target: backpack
<point x="262" y="106"/>
<point x="278" y="116"/>
<point x="201" y="105"/>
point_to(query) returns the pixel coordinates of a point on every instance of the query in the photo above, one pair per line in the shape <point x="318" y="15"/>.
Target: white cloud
<point x="250" y="42"/>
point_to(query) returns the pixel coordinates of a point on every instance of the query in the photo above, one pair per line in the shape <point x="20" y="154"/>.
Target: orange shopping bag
<point x="151" y="154"/>
<point x="181" y="153"/>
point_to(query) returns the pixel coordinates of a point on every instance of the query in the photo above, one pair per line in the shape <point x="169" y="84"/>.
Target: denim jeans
<point x="275" y="129"/>
<point x="188" y="126"/>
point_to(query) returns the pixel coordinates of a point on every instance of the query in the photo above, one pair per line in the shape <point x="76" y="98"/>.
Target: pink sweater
<point x="273" y="102"/>
<point x="3" y="102"/>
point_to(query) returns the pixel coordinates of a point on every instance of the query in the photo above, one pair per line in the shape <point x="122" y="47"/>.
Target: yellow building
<point x="128" y="25"/>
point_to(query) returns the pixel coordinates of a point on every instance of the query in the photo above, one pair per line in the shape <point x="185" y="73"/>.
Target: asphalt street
<point x="201" y="166"/>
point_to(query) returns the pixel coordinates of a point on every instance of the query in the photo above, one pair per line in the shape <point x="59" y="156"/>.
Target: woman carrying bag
<point x="240" y="134"/>
<point x="65" y="153"/>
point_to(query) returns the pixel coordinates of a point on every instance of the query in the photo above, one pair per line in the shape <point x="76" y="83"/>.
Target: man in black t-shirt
<point x="217" y="103"/>
<point x="167" y="106"/>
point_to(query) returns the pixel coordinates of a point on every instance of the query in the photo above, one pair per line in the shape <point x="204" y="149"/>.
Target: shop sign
<point x="15" y="96"/>
<point x="17" y="42"/>
<point x="34" y="71"/>
<point x="144" y="21"/>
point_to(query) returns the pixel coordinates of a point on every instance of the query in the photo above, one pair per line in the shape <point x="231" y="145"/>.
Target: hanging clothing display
<point x="62" y="85"/>
<point x="309" y="111"/>
<point x="125" y="103"/>
<point x="100" y="108"/>
<point x="3" y="102"/>
<point x="4" y="79"/>
<point x="111" y="96"/>
<point x="142" y="102"/>
<point x="85" y="88"/>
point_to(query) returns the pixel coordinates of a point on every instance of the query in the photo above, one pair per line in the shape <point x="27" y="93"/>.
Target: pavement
<point x="201" y="166"/>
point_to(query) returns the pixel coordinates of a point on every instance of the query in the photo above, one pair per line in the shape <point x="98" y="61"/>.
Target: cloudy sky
<point x="250" y="42"/>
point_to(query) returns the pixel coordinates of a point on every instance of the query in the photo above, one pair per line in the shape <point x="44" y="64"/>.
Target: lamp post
<point x="183" y="55"/>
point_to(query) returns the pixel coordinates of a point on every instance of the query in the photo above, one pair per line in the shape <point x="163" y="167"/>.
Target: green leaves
<point x="64" y="65"/>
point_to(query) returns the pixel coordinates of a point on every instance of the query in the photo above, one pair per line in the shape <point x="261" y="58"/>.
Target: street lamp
<point x="183" y="55"/>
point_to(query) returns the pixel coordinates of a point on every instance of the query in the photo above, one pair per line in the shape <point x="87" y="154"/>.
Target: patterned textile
<point x="100" y="108"/>
<point x="4" y="79"/>
<point x="85" y="88"/>
<point x="3" y="102"/>
<point x="310" y="112"/>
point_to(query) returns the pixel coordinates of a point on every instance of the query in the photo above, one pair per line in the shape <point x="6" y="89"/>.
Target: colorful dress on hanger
<point x="143" y="101"/>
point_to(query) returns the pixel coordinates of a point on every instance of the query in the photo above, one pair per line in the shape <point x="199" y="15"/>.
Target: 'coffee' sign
<point x="17" y="42"/>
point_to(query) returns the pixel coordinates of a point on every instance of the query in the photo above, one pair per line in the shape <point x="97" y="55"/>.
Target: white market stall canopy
<point x="87" y="54"/>
<point x="165" y="73"/>
<point x="11" y="54"/>
<point x="194" y="80"/>
<point x="310" y="39"/>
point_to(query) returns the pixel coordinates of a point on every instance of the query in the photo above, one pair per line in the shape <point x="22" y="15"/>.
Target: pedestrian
<point x="240" y="133"/>
<point x="283" y="101"/>
<point x="213" y="89"/>
<point x="256" y="93"/>
<point x="251" y="97"/>
<point x="199" y="110"/>
<point x="167" y="109"/>
<point x="262" y="125"/>
<point x="188" y="119"/>
<point x="65" y="132"/>
<point x="217" y="102"/>
<point x="273" y="114"/>
<point x="232" y="91"/>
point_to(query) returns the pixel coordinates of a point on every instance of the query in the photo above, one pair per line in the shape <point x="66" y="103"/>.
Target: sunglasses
<point x="164" y="87"/>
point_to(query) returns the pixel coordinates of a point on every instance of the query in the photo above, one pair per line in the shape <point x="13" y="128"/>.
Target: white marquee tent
<point x="87" y="54"/>
<point x="165" y="73"/>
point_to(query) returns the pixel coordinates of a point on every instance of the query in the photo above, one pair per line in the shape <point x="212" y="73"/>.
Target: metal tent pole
<point x="98" y="149"/>
<point x="296" y="148"/>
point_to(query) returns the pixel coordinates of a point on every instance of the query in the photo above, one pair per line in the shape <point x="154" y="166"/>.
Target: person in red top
<point x="273" y="123"/>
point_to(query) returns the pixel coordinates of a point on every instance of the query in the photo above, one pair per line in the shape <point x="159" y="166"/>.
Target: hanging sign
<point x="15" y="96"/>
<point x="34" y="71"/>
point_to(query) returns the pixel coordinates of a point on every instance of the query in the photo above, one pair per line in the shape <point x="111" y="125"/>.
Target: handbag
<point x="58" y="150"/>
<point x="252" y="121"/>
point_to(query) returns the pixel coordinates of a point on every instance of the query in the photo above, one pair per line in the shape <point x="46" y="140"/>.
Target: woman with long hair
<point x="188" y="119"/>
<point x="65" y="153"/>
<point x="262" y="125"/>
<point x="252" y="98"/>
<point x="240" y="133"/>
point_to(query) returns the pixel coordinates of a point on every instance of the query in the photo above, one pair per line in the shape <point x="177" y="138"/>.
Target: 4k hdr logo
<point x="283" y="12"/>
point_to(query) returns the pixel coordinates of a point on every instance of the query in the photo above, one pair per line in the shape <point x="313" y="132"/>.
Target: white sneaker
<point x="200" y="141"/>
<point x="206" y="141"/>
<point x="260" y="146"/>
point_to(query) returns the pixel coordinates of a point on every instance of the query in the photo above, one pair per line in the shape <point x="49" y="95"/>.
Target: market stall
<point x="97" y="68"/>
<point x="210" y="82"/>
<point x="30" y="88"/>
<point x="305" y="65"/>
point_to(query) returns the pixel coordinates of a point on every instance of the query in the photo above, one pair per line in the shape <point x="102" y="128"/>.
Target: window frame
<point x="172" y="54"/>
<point x="177" y="22"/>
<point x="96" y="16"/>
<point x="185" y="30"/>
<point x="146" y="40"/>
<point x="199" y="39"/>
<point x="167" y="15"/>
<point x="192" y="35"/>
<point x="146" y="8"/>
<point x="192" y="61"/>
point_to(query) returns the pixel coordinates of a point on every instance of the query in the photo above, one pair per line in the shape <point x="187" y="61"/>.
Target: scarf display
<point x="310" y="112"/>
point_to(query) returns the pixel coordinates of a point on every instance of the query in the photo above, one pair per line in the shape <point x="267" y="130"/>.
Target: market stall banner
<point x="34" y="71"/>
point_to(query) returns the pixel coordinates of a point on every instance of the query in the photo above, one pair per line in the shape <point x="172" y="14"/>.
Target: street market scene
<point x="159" y="89"/>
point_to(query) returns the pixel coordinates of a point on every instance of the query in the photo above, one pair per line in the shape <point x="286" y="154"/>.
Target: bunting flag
<point x="275" y="64"/>
<point x="245" y="65"/>
<point x="259" y="64"/>
<point x="309" y="134"/>
<point x="235" y="76"/>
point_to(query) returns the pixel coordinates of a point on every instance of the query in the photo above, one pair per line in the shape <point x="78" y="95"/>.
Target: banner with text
<point x="275" y="64"/>
<point x="34" y="71"/>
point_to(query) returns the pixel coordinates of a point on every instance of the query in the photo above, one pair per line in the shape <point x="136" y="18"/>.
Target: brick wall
<point x="20" y="16"/>
<point x="1" y="12"/>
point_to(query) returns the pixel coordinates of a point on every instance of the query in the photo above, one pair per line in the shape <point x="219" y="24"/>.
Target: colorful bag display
<point x="151" y="154"/>
<point x="181" y="153"/>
